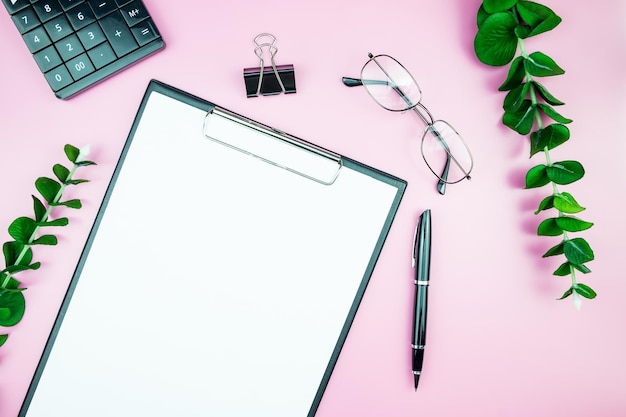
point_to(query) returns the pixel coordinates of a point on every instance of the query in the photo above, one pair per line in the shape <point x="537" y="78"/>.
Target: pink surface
<point x="498" y="342"/>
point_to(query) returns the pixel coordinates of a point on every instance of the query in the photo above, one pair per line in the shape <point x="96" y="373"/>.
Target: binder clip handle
<point x="274" y="79"/>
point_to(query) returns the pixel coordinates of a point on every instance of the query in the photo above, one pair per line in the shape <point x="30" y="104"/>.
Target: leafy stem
<point x="503" y="25"/>
<point x="18" y="253"/>
<point x="44" y="218"/>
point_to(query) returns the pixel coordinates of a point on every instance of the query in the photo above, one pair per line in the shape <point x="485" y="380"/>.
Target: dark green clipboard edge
<point x="159" y="87"/>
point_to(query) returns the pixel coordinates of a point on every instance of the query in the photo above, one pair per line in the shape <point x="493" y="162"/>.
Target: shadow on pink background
<point x="499" y="344"/>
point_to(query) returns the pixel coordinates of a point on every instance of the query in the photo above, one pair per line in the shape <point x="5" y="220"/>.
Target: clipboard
<point x="216" y="281"/>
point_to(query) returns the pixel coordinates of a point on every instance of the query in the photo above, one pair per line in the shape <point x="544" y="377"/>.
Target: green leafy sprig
<point x="503" y="25"/>
<point x="18" y="253"/>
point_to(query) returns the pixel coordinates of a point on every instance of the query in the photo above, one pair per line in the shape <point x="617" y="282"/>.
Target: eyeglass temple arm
<point x="441" y="184"/>
<point x="355" y="82"/>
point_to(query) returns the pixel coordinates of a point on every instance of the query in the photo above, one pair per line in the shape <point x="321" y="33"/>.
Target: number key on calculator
<point x="77" y="43"/>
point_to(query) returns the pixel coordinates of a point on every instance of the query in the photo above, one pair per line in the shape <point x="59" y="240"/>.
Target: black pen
<point x="421" y="263"/>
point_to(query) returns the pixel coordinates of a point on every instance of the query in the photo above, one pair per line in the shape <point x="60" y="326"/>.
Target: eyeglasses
<point x="395" y="89"/>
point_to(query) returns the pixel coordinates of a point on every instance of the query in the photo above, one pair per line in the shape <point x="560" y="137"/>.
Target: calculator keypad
<point x="77" y="43"/>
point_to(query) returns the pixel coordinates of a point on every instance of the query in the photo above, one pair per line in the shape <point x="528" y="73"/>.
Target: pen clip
<point x="421" y="240"/>
<point x="415" y="238"/>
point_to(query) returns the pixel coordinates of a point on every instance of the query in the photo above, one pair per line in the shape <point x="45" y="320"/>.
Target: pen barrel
<point x="420" y="309"/>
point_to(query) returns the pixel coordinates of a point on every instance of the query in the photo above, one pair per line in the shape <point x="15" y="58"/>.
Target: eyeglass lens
<point x="445" y="152"/>
<point x="390" y="84"/>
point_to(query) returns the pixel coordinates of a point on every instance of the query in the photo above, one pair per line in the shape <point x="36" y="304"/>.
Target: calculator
<point x="77" y="43"/>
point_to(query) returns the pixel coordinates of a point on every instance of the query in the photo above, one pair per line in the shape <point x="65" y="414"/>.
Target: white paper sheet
<point x="216" y="285"/>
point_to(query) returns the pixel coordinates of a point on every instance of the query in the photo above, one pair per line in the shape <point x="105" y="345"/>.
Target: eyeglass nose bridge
<point x="420" y="109"/>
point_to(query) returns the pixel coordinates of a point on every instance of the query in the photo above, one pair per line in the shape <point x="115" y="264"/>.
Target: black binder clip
<point x="271" y="80"/>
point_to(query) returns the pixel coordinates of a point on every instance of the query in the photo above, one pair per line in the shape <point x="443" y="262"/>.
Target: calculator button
<point x="47" y="59"/>
<point x="69" y="47"/>
<point x="134" y="13"/>
<point x="102" y="55"/>
<point x="91" y="36"/>
<point x="26" y="20"/>
<point x="81" y="16"/>
<point x="80" y="66"/>
<point x="14" y="6"/>
<point x="58" y="28"/>
<point x="58" y="78"/>
<point x="118" y="34"/>
<point x="102" y="7"/>
<point x="76" y="43"/>
<point x="145" y="32"/>
<point x="36" y="39"/>
<point x="68" y="4"/>
<point x="47" y="9"/>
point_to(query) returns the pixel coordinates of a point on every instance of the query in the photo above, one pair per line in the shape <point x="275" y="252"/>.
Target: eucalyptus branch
<point x="18" y="253"/>
<point x="502" y="27"/>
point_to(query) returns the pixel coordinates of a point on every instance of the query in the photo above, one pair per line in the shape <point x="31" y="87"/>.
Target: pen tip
<point x="416" y="380"/>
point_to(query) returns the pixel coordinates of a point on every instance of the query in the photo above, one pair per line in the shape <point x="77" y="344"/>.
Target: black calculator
<point x="77" y="43"/>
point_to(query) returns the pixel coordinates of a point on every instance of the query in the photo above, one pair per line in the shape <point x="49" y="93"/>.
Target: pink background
<point x="499" y="344"/>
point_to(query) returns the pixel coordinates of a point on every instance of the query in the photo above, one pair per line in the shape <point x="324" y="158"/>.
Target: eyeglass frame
<point x="428" y="121"/>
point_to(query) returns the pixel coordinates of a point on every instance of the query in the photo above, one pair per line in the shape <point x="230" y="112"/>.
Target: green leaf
<point x="555" y="250"/>
<point x="63" y="221"/>
<point x="565" y="203"/>
<point x="481" y="16"/>
<point x="48" y="188"/>
<point x="75" y="204"/>
<point x="541" y="65"/>
<point x="537" y="177"/>
<point x="74" y="182"/>
<point x="39" y="208"/>
<point x="495" y="42"/>
<point x="539" y="17"/>
<point x="549" y="227"/>
<point x="71" y="152"/>
<point x="553" y="114"/>
<point x="566" y="269"/>
<point x="557" y="225"/>
<point x="547" y="203"/>
<point x="585" y="291"/>
<point x="572" y="224"/>
<point x="567" y="294"/>
<point x="577" y="251"/>
<point x="565" y="172"/>
<point x="12" y="251"/>
<point x="46" y="240"/>
<point x="11" y="284"/>
<point x="61" y="172"/>
<point x="545" y="94"/>
<point x="14" y="269"/>
<point x="13" y="306"/>
<point x="493" y="6"/>
<point x="3" y="338"/>
<point x="522" y="31"/>
<point x="85" y="163"/>
<point x="22" y="229"/>
<point x="515" y="76"/>
<point x="522" y="119"/>
<point x="549" y="137"/>
<point x="563" y="270"/>
<point x="515" y="98"/>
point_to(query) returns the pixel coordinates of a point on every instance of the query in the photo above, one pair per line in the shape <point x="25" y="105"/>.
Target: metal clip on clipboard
<point x="272" y="146"/>
<point x="268" y="80"/>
